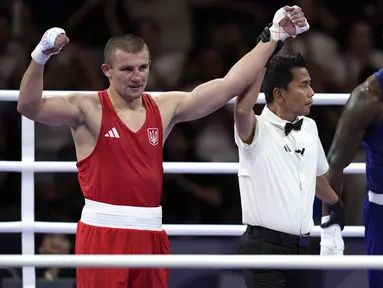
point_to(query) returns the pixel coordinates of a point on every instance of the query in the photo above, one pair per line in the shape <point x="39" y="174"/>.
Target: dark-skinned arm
<point x="360" y="113"/>
<point x="324" y="191"/>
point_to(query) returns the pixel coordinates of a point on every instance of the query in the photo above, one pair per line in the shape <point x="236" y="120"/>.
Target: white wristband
<point x="277" y="33"/>
<point x="38" y="56"/>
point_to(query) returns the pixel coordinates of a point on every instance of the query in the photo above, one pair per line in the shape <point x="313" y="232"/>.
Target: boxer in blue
<point x="361" y="123"/>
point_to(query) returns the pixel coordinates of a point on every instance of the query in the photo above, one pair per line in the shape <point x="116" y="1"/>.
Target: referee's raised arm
<point x="277" y="171"/>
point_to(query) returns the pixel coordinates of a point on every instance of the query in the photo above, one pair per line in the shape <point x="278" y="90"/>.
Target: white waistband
<point x="375" y="198"/>
<point x="123" y="217"/>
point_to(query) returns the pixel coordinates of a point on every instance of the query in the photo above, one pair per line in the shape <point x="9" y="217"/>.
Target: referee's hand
<point x="337" y="216"/>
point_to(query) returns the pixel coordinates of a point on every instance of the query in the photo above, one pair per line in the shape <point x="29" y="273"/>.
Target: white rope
<point x="169" y="167"/>
<point x="171" y="230"/>
<point x="196" y="261"/>
<point x="319" y="99"/>
<point x="11" y="227"/>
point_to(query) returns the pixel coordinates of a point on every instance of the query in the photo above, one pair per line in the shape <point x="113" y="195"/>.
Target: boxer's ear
<point x="106" y="70"/>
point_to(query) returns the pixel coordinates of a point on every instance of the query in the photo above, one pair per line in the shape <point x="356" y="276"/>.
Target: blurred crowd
<point x="191" y="41"/>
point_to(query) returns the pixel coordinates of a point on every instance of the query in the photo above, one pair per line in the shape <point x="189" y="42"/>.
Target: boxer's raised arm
<point x="50" y="110"/>
<point x="55" y="110"/>
<point x="210" y="96"/>
<point x="360" y="111"/>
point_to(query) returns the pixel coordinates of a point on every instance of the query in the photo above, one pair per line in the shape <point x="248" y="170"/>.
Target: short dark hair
<point x="128" y="43"/>
<point x="278" y="73"/>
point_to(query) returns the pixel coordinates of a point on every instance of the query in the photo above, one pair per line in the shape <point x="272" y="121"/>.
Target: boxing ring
<point x="28" y="226"/>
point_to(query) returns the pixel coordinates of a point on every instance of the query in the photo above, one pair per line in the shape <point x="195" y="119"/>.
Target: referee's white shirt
<point x="277" y="184"/>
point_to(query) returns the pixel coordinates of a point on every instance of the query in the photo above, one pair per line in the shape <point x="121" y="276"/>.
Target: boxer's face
<point x="298" y="96"/>
<point x="128" y="73"/>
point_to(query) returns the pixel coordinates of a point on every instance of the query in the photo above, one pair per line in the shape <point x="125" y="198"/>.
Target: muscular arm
<point x="244" y="118"/>
<point x="210" y="96"/>
<point x="57" y="110"/>
<point x="360" y="112"/>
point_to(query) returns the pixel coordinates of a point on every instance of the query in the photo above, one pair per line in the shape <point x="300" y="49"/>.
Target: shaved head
<point x="128" y="43"/>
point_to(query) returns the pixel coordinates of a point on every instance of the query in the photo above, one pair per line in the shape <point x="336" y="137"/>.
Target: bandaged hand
<point x="51" y="43"/>
<point x="331" y="239"/>
<point x="288" y="21"/>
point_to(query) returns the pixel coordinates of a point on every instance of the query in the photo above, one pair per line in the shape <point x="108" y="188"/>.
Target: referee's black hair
<point x="278" y="73"/>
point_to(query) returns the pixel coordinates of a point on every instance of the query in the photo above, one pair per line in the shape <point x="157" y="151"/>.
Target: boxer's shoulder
<point x="369" y="90"/>
<point x="167" y="102"/>
<point x="365" y="101"/>
<point x="83" y="98"/>
<point x="88" y="103"/>
<point x="163" y="97"/>
<point x="364" y="106"/>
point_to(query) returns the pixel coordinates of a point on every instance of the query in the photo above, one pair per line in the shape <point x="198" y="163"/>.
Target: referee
<point x="281" y="169"/>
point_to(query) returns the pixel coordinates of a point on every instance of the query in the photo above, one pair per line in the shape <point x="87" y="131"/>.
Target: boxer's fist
<point x="60" y="41"/>
<point x="51" y="43"/>
<point x="288" y="22"/>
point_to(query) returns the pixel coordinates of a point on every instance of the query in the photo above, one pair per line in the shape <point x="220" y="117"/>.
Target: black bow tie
<point x="290" y="126"/>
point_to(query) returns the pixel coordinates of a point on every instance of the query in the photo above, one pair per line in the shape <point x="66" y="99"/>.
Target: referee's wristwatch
<point x="337" y="215"/>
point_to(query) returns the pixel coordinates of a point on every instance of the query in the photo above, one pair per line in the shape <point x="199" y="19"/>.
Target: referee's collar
<point x="274" y="119"/>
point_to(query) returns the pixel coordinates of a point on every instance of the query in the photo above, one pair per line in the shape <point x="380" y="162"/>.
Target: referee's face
<point x="298" y="97"/>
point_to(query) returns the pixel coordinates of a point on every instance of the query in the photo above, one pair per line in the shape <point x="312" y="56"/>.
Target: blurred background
<point x="191" y="41"/>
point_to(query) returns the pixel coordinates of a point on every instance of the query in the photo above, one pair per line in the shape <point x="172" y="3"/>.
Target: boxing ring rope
<point x="171" y="230"/>
<point x="319" y="99"/>
<point x="28" y="227"/>
<point x="169" y="167"/>
<point x="196" y="261"/>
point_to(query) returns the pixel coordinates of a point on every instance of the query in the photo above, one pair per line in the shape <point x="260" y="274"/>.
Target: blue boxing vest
<point x="373" y="147"/>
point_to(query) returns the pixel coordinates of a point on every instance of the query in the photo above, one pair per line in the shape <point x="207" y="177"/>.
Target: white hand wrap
<point x="331" y="239"/>
<point x="300" y="29"/>
<point x="47" y="42"/>
<point x="276" y="30"/>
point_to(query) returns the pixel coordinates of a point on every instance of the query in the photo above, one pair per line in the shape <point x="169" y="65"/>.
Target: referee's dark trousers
<point x="259" y="240"/>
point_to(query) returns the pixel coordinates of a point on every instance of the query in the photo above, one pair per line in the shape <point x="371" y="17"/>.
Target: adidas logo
<point x="112" y="133"/>
<point x="287" y="148"/>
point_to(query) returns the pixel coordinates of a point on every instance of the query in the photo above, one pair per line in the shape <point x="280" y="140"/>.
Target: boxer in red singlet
<point x="119" y="134"/>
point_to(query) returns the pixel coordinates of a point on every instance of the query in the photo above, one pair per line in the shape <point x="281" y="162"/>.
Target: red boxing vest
<point x="125" y="167"/>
